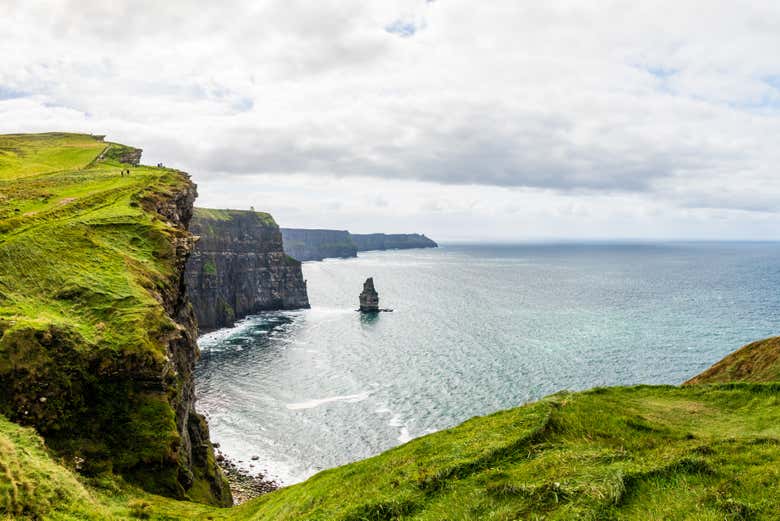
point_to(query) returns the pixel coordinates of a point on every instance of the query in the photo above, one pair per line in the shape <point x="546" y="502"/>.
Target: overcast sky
<point x="466" y="120"/>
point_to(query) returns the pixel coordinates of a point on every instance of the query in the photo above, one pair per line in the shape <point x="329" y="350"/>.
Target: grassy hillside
<point x="696" y="452"/>
<point x="640" y="453"/>
<point x="756" y="362"/>
<point x="85" y="262"/>
<point x="705" y="453"/>
<point x="34" y="485"/>
<point x="101" y="249"/>
<point x="24" y="155"/>
<point x="88" y="284"/>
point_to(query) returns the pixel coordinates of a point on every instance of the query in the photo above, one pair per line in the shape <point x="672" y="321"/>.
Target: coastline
<point x="243" y="485"/>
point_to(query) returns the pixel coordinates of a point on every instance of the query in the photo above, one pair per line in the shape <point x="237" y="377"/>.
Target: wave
<point x="316" y="402"/>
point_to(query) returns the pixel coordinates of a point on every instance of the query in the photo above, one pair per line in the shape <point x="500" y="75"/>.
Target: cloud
<point x="667" y="102"/>
<point x="402" y="28"/>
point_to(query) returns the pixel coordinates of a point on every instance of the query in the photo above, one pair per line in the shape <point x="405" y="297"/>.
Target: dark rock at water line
<point x="369" y="298"/>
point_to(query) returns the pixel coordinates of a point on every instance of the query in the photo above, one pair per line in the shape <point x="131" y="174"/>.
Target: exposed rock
<point x="306" y="245"/>
<point x="369" y="298"/>
<point x="239" y="268"/>
<point x="243" y="485"/>
<point x="196" y="454"/>
<point x="122" y="154"/>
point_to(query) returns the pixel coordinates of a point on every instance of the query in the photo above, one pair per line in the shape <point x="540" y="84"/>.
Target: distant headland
<point x="316" y="244"/>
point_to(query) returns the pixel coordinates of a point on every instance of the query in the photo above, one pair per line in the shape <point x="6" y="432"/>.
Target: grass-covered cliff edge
<point x="89" y="265"/>
<point x="97" y="337"/>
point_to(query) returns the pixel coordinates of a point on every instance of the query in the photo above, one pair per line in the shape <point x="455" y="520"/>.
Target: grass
<point x="756" y="362"/>
<point x="697" y="452"/>
<point x="78" y="250"/>
<point x="86" y="266"/>
<point x="701" y="452"/>
<point x="25" y="155"/>
<point x="82" y="261"/>
<point x="212" y="214"/>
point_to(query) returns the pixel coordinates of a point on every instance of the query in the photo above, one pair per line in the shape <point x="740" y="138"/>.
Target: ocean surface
<point x="475" y="329"/>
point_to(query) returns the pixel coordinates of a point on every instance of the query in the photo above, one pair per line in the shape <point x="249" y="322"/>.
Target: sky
<point x="464" y="120"/>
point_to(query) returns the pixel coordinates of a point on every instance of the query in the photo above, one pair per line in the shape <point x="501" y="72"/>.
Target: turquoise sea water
<point x="476" y="328"/>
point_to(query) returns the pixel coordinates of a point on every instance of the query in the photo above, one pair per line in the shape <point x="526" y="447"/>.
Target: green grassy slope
<point x="639" y="453"/>
<point x="35" y="485"/>
<point x="228" y="215"/>
<point x="705" y="451"/>
<point x="619" y="453"/>
<point x="24" y="155"/>
<point x="756" y="362"/>
<point x="697" y="452"/>
<point x="85" y="261"/>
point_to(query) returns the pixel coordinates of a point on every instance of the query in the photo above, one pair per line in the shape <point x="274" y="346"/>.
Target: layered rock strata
<point x="239" y="267"/>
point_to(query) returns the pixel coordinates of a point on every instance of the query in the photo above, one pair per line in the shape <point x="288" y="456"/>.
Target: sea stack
<point x="369" y="298"/>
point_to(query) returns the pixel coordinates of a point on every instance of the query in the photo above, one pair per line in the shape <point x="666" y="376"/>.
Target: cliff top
<point x="78" y="246"/>
<point x="213" y="214"/>
<point x="25" y="155"/>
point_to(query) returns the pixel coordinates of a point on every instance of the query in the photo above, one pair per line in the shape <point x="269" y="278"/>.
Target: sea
<point x="475" y="328"/>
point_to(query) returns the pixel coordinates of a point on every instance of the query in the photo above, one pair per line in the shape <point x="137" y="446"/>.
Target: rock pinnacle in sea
<point x="369" y="298"/>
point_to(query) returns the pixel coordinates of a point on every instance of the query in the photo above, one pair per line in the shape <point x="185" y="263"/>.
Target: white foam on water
<point x="310" y="404"/>
<point x="403" y="433"/>
<point x="404" y="436"/>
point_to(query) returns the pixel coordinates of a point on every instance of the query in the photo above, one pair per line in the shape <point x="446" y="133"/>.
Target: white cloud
<point x="577" y="118"/>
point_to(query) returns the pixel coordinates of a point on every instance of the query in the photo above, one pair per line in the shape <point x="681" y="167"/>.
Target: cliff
<point x="97" y="336"/>
<point x="239" y="267"/>
<point x="384" y="241"/>
<point x="306" y="245"/>
<point x="96" y="352"/>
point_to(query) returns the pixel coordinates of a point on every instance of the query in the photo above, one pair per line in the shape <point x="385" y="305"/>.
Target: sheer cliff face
<point x="239" y="267"/>
<point x="306" y="245"/>
<point x="197" y="468"/>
